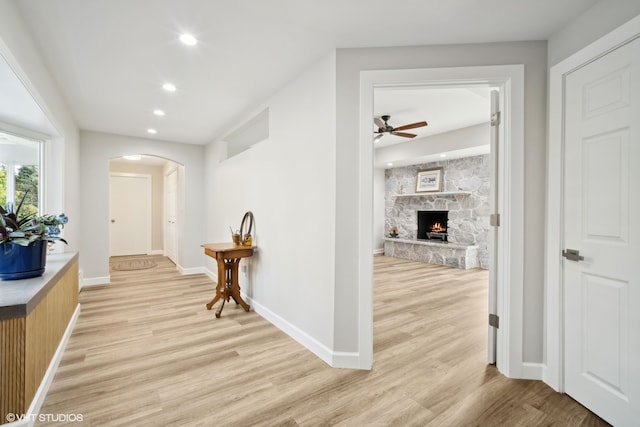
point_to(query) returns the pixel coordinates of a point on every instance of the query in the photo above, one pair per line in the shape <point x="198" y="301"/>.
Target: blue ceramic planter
<point x="22" y="262"/>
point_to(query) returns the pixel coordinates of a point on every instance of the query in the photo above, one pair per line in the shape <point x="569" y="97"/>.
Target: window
<point x="20" y="173"/>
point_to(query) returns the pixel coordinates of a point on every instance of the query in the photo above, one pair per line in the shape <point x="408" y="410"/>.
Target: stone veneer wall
<point x="468" y="214"/>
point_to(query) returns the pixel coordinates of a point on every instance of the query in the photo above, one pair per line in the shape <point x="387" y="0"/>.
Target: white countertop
<point x="19" y="297"/>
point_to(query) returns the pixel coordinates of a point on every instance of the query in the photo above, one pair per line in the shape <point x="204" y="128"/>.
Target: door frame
<point x="553" y="370"/>
<point x="510" y="269"/>
<point x="175" y="168"/>
<point x="148" y="180"/>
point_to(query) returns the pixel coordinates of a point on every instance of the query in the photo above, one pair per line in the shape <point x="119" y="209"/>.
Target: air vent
<point x="252" y="132"/>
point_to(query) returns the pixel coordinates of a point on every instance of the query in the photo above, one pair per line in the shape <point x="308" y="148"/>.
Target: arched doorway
<point x="144" y="194"/>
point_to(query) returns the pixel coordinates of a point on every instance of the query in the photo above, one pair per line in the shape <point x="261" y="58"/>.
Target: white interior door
<point x="493" y="235"/>
<point x="130" y="214"/>
<point x="602" y="223"/>
<point x="171" y="200"/>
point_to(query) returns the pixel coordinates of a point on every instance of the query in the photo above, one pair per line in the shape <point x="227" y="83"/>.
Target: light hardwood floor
<point x="146" y="352"/>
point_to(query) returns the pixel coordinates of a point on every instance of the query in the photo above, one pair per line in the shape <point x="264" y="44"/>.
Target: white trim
<point x="532" y="371"/>
<point x="337" y="359"/>
<point x="191" y="270"/>
<point x="94" y="281"/>
<point x="378" y="251"/>
<point x="172" y="168"/>
<point x="510" y="273"/>
<point x="212" y="275"/>
<point x="331" y="358"/>
<point x="553" y="372"/>
<point x="345" y="360"/>
<point x="156" y="252"/>
<point x="38" y="399"/>
<point x="24" y="132"/>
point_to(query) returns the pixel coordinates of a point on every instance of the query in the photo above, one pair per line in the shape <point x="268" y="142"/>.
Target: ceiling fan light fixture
<point x="384" y="127"/>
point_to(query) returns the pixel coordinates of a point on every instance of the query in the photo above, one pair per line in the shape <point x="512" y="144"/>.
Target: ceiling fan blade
<point x="406" y="135"/>
<point x="378" y="121"/>
<point x="412" y="126"/>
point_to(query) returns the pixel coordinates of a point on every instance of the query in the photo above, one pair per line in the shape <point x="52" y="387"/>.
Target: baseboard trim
<point x="532" y="371"/>
<point x="94" y="281"/>
<point x="31" y="416"/>
<point x="378" y="251"/>
<point x="156" y="252"/>
<point x="346" y="360"/>
<point x="213" y="276"/>
<point x="191" y="270"/>
<point x="293" y="331"/>
<point x="331" y="358"/>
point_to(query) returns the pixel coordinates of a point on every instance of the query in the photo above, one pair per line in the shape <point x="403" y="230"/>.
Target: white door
<point x="602" y="223"/>
<point x="130" y="214"/>
<point x="171" y="209"/>
<point x="493" y="235"/>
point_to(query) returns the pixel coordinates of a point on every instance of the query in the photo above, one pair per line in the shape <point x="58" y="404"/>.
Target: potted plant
<point x="24" y="240"/>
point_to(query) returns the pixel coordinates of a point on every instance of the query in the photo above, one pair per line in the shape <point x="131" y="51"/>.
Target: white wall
<point x="62" y="152"/>
<point x="597" y="21"/>
<point x="95" y="152"/>
<point x="419" y="149"/>
<point x="349" y="64"/>
<point x="288" y="182"/>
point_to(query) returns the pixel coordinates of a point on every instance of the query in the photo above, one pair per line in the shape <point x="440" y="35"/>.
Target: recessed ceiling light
<point x="169" y="87"/>
<point x="158" y="112"/>
<point x="152" y="131"/>
<point x="443" y="155"/>
<point x="188" y="39"/>
<point x="389" y="164"/>
<point x="133" y="157"/>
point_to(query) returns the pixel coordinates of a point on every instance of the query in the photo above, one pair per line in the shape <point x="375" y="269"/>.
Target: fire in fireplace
<point x="432" y="225"/>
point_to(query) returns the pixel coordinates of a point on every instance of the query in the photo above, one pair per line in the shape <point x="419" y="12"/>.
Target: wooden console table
<point x="228" y="257"/>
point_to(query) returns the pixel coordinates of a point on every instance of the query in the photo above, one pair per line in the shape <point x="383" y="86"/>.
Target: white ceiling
<point x="444" y="109"/>
<point x="110" y="57"/>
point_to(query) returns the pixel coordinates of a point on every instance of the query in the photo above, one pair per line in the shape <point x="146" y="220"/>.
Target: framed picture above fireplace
<point x="429" y="180"/>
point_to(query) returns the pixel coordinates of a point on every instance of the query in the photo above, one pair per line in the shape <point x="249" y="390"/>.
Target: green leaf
<point x="21" y="241"/>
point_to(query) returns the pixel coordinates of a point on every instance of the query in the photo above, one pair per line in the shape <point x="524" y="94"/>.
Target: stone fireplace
<point x="465" y="200"/>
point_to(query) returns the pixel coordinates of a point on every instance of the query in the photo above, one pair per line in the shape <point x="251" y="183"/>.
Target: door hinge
<point x="494" y="220"/>
<point x="494" y="320"/>
<point x="495" y="119"/>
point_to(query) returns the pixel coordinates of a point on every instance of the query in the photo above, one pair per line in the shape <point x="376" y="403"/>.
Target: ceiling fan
<point x="384" y="127"/>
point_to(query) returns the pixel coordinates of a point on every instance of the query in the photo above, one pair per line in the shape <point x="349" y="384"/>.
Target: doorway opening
<point x="509" y="254"/>
<point x="449" y="225"/>
<point x="144" y="206"/>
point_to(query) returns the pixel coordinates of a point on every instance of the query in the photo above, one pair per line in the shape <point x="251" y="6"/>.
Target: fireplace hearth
<point x="432" y="225"/>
